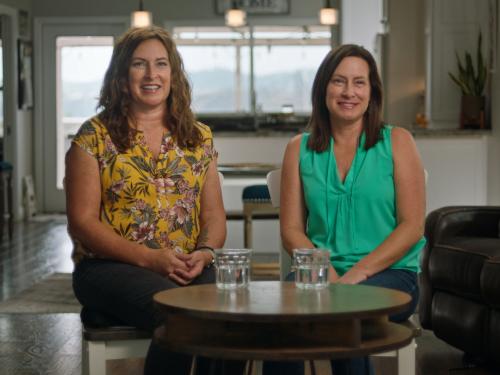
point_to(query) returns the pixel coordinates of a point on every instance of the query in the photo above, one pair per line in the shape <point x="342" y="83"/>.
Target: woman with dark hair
<point x="355" y="186"/>
<point x="144" y="201"/>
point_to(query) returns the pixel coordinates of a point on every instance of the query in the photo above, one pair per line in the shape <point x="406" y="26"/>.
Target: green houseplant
<point x="471" y="81"/>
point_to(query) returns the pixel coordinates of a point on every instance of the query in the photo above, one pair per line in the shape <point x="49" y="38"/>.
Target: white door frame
<point x="11" y="129"/>
<point x="51" y="199"/>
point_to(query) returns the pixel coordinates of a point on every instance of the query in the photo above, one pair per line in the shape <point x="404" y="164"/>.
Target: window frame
<point x="252" y="42"/>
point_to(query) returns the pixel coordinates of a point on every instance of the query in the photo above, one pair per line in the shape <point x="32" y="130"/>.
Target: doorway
<point x="69" y="74"/>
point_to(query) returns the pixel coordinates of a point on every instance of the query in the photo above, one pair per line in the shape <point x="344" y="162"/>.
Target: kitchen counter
<point x="265" y="133"/>
<point x="246" y="169"/>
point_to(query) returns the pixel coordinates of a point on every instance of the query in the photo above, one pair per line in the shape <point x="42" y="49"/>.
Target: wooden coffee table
<point x="275" y="321"/>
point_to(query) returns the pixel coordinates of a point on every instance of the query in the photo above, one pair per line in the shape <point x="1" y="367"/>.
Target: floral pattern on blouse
<point x="152" y="202"/>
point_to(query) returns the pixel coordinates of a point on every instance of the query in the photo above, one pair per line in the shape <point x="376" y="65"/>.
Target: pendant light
<point x="235" y="17"/>
<point x="141" y="18"/>
<point x="328" y="15"/>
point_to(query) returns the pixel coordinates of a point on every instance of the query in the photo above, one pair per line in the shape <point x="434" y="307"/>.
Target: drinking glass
<point x="232" y="268"/>
<point x="311" y="268"/>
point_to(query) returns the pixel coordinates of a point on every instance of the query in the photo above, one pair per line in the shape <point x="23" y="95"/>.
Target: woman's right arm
<point x="292" y="206"/>
<point x="83" y="202"/>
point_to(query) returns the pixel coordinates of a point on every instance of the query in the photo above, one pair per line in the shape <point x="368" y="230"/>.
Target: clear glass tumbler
<point x="232" y="268"/>
<point x="311" y="268"/>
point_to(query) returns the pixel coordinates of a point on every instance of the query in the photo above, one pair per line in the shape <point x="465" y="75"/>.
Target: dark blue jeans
<point x="125" y="292"/>
<point x="405" y="281"/>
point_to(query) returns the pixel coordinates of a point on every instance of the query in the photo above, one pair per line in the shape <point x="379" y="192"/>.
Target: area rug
<point x="51" y="295"/>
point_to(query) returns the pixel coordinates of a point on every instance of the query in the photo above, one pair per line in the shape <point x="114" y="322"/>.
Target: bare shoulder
<point x="294" y="143"/>
<point x="402" y="140"/>
<point x="401" y="136"/>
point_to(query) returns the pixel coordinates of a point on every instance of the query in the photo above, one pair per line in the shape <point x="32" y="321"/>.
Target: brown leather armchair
<point x="460" y="279"/>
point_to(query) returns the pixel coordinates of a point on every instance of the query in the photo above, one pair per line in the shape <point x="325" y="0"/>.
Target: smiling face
<point x="149" y="76"/>
<point x="348" y="91"/>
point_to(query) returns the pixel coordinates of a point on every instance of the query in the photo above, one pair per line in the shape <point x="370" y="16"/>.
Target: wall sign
<point x="255" y="6"/>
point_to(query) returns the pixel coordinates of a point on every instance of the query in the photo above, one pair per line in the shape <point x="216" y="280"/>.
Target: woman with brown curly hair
<point x="144" y="201"/>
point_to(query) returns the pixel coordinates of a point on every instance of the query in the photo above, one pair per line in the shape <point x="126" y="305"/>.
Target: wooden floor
<point x="33" y="344"/>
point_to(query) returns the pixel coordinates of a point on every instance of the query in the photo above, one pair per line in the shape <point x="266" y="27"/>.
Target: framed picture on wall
<point x="254" y="7"/>
<point x="25" y="80"/>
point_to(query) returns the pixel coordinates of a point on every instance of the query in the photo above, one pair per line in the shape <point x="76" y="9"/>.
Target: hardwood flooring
<point x="32" y="344"/>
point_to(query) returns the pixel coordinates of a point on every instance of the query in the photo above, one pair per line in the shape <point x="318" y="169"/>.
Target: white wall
<point x="494" y="141"/>
<point x="361" y="12"/>
<point x="457" y="170"/>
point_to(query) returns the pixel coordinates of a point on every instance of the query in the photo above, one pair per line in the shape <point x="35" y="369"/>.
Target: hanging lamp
<point x="235" y="17"/>
<point x="141" y="18"/>
<point x="328" y="15"/>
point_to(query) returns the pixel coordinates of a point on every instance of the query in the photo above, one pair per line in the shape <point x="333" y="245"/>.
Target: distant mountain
<point x="213" y="91"/>
<point x="80" y="98"/>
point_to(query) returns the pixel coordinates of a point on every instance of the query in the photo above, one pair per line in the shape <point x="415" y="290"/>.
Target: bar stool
<point x="257" y="204"/>
<point x="6" y="170"/>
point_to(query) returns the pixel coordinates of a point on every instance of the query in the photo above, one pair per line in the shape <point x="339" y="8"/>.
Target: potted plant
<point x="471" y="82"/>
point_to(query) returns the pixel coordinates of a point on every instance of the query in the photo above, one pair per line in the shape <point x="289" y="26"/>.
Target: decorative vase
<point x="472" y="112"/>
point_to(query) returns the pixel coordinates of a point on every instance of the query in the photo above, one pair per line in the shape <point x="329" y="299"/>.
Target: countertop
<point x="290" y="133"/>
<point x="246" y="169"/>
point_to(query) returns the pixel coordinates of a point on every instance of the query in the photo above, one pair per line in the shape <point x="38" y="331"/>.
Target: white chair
<point x="405" y="355"/>
<point x="273" y="184"/>
<point x="101" y="344"/>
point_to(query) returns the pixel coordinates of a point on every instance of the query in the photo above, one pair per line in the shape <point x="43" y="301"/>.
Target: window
<point x="81" y="64"/>
<point x="218" y="61"/>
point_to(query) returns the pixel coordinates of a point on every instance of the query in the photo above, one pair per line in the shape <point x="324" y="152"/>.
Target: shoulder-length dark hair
<point x="115" y="98"/>
<point x="319" y="123"/>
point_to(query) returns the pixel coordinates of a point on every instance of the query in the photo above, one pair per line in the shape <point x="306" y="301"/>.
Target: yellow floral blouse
<point x="153" y="202"/>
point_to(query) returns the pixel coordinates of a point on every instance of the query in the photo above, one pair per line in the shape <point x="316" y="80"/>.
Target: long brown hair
<point x="115" y="99"/>
<point x="319" y="123"/>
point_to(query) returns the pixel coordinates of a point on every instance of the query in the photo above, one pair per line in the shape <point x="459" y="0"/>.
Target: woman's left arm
<point x="212" y="226"/>
<point x="409" y="182"/>
<point x="212" y="212"/>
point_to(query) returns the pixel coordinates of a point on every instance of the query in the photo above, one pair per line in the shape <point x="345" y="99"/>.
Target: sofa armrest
<point x="462" y="221"/>
<point x="447" y="225"/>
<point x="490" y="282"/>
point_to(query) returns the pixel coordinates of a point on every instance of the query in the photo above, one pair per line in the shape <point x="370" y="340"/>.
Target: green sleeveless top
<point x="353" y="217"/>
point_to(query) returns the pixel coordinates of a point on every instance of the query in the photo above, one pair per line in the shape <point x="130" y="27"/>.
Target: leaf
<point x="461" y="70"/>
<point x="481" y="67"/>
<point x="471" y="79"/>
<point x="460" y="84"/>
<point x="469" y="69"/>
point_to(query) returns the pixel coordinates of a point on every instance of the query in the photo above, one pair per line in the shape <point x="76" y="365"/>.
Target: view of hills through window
<point x="218" y="63"/>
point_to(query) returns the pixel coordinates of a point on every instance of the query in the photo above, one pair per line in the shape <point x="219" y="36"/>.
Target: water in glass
<point x="232" y="268"/>
<point x="311" y="268"/>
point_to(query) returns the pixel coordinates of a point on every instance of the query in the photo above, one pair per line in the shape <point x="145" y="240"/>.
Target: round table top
<point x="266" y="300"/>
